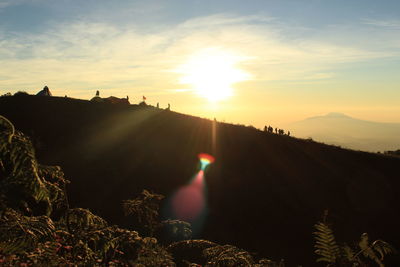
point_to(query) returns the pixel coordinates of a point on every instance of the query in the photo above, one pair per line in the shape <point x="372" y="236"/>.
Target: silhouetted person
<point x="127" y="98"/>
<point x="169" y="107"/>
<point x="276" y="130"/>
<point x="44" y="92"/>
<point x="97" y="97"/>
<point x="288" y="133"/>
<point x="158" y="105"/>
<point x="265" y="128"/>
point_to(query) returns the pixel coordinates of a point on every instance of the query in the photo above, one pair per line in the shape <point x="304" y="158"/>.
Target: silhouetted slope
<point x="265" y="191"/>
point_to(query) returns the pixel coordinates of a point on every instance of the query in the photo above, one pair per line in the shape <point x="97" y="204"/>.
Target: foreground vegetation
<point x="39" y="228"/>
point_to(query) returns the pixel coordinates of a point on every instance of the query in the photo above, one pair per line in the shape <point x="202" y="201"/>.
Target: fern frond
<point x="21" y="172"/>
<point x="383" y="248"/>
<point x="83" y="219"/>
<point x="145" y="207"/>
<point x="152" y="254"/>
<point x="21" y="233"/>
<point x="228" y="255"/>
<point x="25" y="168"/>
<point x="348" y="253"/>
<point x="368" y="251"/>
<point x="146" y="203"/>
<point x="325" y="244"/>
<point x="7" y="128"/>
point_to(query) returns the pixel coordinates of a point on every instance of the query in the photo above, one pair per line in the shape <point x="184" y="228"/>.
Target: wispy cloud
<point x="85" y="54"/>
<point x="393" y="24"/>
<point x="223" y="20"/>
<point x="8" y="3"/>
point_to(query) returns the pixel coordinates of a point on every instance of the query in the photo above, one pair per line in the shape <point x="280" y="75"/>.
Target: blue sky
<point x="309" y="57"/>
<point x="27" y="15"/>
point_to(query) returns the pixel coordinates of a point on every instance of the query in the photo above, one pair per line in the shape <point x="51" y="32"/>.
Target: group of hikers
<point x="116" y="100"/>
<point x="270" y="129"/>
<point x="143" y="103"/>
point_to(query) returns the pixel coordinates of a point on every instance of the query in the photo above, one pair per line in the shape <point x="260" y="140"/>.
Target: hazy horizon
<point x="257" y="63"/>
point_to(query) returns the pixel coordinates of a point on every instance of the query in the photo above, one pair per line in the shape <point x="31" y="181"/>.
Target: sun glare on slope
<point x="212" y="72"/>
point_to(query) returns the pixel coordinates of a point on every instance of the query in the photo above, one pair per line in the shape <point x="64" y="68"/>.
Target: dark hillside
<point x="265" y="191"/>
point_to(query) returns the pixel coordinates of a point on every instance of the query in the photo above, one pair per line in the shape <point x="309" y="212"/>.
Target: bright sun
<point x="212" y="72"/>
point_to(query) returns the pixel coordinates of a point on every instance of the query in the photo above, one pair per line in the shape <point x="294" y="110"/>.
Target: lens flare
<point x="189" y="203"/>
<point x="205" y="160"/>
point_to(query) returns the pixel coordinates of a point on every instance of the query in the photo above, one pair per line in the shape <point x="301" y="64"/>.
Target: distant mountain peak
<point x="336" y="115"/>
<point x="331" y="115"/>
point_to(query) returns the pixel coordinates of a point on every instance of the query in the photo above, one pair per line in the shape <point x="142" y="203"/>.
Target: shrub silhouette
<point x="21" y="93"/>
<point x="146" y="208"/>
<point x="39" y="228"/>
<point x="78" y="237"/>
<point x="174" y="231"/>
<point x="335" y="255"/>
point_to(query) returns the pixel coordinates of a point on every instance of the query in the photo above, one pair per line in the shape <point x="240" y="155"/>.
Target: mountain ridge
<point x="343" y="130"/>
<point x="329" y="115"/>
<point x="339" y="115"/>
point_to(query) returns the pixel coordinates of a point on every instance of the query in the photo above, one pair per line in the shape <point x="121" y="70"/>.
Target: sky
<point x="255" y="62"/>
